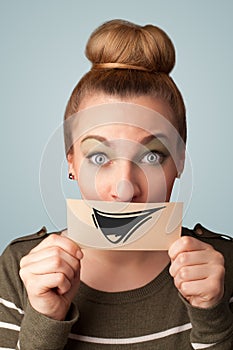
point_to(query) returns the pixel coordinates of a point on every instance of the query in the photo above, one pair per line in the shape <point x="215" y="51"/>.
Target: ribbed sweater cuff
<point x="211" y="325"/>
<point x="41" y="332"/>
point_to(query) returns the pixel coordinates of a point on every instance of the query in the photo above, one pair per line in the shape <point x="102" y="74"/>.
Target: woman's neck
<point x="115" y="271"/>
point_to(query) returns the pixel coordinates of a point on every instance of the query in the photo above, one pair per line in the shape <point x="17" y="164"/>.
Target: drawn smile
<point x="119" y="227"/>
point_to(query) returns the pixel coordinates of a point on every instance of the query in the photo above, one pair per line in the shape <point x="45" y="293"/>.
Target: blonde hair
<point x="130" y="60"/>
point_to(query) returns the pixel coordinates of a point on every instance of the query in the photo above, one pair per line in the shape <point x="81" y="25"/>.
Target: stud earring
<point x="71" y="176"/>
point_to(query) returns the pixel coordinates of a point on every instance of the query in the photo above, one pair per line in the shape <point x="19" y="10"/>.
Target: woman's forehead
<point x="118" y="116"/>
<point x="119" y="120"/>
<point x="118" y="131"/>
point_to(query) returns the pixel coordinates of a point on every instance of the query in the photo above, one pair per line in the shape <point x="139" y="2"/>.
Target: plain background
<point x="42" y="58"/>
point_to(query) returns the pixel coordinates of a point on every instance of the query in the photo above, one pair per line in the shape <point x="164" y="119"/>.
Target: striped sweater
<point x="151" y="317"/>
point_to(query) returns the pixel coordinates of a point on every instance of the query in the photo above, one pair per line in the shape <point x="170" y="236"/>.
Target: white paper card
<point x="123" y="226"/>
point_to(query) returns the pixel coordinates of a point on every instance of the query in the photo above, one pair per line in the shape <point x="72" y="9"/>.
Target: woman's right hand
<point x="51" y="275"/>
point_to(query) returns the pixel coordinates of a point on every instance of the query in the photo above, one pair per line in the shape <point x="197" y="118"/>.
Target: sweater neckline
<point x="126" y="296"/>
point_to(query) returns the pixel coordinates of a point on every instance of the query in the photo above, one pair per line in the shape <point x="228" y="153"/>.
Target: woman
<point x="180" y="298"/>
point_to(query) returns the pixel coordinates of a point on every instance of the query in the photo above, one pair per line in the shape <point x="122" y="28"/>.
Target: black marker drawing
<point x="119" y="227"/>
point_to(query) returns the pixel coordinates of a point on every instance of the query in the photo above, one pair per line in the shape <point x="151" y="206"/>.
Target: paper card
<point x="123" y="226"/>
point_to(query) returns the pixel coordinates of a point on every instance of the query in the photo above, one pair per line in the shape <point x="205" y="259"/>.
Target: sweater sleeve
<point x="212" y="328"/>
<point x="43" y="332"/>
<point x="21" y="327"/>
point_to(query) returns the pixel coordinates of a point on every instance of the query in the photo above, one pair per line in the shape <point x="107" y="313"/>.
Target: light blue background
<point x="42" y="58"/>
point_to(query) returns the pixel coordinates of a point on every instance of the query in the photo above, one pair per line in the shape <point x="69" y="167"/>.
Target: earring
<point x="71" y="176"/>
<point x="178" y="175"/>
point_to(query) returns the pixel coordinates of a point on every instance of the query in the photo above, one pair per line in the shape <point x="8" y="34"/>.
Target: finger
<point x="44" y="284"/>
<point x="206" y="290"/>
<point x="190" y="273"/>
<point x="188" y="259"/>
<point x="54" y="256"/>
<point x="51" y="265"/>
<point x="62" y="242"/>
<point x="186" y="244"/>
<point x="75" y="284"/>
<point x="205" y="258"/>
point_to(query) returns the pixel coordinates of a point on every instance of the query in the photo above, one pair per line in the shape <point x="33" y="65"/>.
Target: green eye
<point x="98" y="159"/>
<point x="152" y="158"/>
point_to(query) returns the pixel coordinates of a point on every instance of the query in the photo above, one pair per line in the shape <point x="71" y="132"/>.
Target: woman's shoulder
<point x="22" y="245"/>
<point x="199" y="231"/>
<point x="220" y="241"/>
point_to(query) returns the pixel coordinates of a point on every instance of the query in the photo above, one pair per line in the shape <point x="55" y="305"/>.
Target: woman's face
<point x="125" y="162"/>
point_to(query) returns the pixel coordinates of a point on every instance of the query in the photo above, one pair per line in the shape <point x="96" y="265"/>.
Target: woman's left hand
<point x="198" y="271"/>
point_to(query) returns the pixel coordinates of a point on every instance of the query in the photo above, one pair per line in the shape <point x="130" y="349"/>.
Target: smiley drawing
<point x="118" y="227"/>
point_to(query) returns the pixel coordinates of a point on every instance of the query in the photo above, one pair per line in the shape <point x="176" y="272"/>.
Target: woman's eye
<point x="98" y="159"/>
<point x="152" y="158"/>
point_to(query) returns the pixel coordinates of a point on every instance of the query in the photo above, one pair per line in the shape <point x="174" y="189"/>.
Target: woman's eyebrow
<point x="149" y="138"/>
<point x="145" y="140"/>
<point x="98" y="138"/>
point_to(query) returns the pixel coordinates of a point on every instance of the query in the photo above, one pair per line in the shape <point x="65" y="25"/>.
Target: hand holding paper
<point x="198" y="271"/>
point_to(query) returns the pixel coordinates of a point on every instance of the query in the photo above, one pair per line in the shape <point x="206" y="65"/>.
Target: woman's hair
<point x="130" y="60"/>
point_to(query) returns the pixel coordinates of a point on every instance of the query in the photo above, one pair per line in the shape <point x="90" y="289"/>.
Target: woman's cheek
<point x="156" y="185"/>
<point x="93" y="182"/>
<point x="160" y="181"/>
<point x="87" y="180"/>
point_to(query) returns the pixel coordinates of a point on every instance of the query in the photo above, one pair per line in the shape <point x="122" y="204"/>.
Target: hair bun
<point x="123" y="42"/>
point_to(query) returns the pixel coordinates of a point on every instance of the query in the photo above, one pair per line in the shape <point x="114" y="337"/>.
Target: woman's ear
<point x="71" y="171"/>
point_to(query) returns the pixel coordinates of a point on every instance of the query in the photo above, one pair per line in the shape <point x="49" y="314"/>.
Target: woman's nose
<point x="126" y="186"/>
<point x="124" y="191"/>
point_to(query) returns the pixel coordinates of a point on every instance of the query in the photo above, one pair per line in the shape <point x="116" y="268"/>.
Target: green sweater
<point x="151" y="317"/>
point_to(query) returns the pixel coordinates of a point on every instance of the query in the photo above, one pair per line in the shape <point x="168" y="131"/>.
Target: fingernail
<point x="79" y="254"/>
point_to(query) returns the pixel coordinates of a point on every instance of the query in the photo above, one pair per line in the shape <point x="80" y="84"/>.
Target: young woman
<point x="55" y="295"/>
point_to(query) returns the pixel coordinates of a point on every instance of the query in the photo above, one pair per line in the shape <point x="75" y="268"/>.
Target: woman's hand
<point x="51" y="275"/>
<point x="198" y="271"/>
